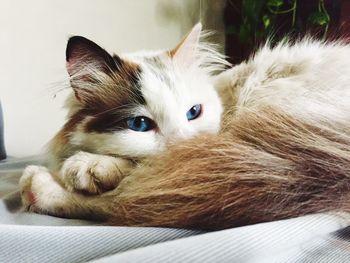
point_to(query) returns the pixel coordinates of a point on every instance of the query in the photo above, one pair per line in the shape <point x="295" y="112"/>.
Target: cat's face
<point x="133" y="106"/>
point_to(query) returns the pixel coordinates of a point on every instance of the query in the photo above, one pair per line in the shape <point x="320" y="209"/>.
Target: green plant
<point x="263" y="18"/>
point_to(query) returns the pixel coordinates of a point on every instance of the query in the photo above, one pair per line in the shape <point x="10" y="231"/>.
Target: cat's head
<point x="135" y="105"/>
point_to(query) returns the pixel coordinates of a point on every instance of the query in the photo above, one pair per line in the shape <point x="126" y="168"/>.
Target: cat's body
<point x="283" y="151"/>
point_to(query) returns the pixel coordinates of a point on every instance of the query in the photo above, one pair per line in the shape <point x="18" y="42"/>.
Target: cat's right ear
<point x="83" y="54"/>
<point x="88" y="64"/>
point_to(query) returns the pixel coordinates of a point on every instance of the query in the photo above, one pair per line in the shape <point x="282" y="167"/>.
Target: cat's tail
<point x="265" y="165"/>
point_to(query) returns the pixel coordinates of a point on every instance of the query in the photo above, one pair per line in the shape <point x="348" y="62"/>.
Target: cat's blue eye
<point x="194" y="112"/>
<point x="140" y="123"/>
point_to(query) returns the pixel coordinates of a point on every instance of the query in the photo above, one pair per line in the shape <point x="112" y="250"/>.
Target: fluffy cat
<point x="283" y="150"/>
<point x="127" y="108"/>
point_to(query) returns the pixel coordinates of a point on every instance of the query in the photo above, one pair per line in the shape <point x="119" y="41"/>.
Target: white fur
<point x="307" y="78"/>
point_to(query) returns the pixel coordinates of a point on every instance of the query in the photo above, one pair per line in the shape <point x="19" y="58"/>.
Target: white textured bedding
<point x="28" y="237"/>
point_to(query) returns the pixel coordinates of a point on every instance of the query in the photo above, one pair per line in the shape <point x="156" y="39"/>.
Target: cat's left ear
<point x="185" y="51"/>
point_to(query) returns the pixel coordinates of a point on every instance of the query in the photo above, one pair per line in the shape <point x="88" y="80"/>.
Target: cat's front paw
<point x="26" y="184"/>
<point x="93" y="173"/>
<point x="40" y="192"/>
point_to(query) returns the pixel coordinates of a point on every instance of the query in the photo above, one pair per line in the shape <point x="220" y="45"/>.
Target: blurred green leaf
<point x="267" y="21"/>
<point x="319" y="18"/>
<point x="274" y="3"/>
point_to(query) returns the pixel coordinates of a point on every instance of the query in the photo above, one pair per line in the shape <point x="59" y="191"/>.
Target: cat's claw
<point x="92" y="173"/>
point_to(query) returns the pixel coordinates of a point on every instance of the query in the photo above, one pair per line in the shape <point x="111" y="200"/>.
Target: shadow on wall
<point x="188" y="13"/>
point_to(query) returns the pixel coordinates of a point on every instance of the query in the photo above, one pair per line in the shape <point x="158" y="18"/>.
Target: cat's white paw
<point x="40" y="192"/>
<point x="93" y="173"/>
<point x="25" y="184"/>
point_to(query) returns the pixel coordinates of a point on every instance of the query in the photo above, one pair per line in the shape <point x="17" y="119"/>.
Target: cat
<point x="282" y="150"/>
<point x="125" y="108"/>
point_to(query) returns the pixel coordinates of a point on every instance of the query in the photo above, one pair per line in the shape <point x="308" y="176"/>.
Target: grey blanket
<point x="26" y="237"/>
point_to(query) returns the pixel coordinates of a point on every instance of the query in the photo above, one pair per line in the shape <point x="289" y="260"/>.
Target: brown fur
<point x="264" y="166"/>
<point x="58" y="146"/>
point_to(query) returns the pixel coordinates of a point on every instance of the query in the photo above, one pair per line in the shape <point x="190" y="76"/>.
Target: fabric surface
<point x="26" y="237"/>
<point x="2" y="144"/>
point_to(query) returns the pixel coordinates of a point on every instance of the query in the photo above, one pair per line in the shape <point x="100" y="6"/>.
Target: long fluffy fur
<point x="272" y="160"/>
<point x="283" y="151"/>
<point x="266" y="166"/>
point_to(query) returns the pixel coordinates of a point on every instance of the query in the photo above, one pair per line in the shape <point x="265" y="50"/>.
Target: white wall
<point x="33" y="35"/>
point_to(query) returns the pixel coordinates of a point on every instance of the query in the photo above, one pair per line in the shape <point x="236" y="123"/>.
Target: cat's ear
<point x="95" y="74"/>
<point x="89" y="65"/>
<point x="185" y="51"/>
<point x="82" y="54"/>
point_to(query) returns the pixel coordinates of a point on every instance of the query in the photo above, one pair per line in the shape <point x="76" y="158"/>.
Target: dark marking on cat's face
<point x="109" y="121"/>
<point x="112" y="105"/>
